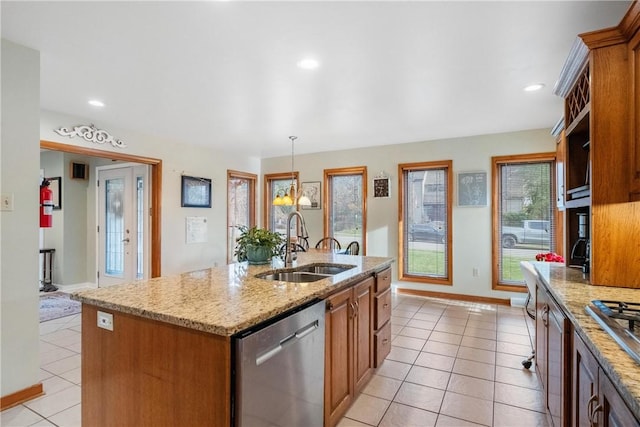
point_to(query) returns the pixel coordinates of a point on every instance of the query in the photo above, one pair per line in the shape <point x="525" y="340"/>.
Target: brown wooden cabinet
<point x="348" y="347"/>
<point x="600" y="85"/>
<point x="634" y="104"/>
<point x="596" y="401"/>
<point x="382" y="324"/>
<point x="553" y="356"/>
<point x="146" y="372"/>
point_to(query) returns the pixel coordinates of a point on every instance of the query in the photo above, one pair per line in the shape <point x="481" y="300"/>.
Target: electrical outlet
<point x="105" y="320"/>
<point x="6" y="203"/>
<point x="475" y="271"/>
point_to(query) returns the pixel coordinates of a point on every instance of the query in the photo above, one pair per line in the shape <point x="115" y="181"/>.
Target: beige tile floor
<point x="60" y="376"/>
<point x="451" y="364"/>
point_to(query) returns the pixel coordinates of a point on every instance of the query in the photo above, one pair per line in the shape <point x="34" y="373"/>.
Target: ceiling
<point x="224" y="73"/>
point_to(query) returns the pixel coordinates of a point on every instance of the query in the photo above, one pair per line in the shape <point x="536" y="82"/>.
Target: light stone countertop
<point x="228" y="299"/>
<point x="572" y="291"/>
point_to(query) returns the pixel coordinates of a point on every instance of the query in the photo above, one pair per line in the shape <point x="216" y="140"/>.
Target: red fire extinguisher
<point x="46" y="205"/>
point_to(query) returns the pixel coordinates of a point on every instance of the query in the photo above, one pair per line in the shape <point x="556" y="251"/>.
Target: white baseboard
<point x="518" y="301"/>
<point x="77" y="287"/>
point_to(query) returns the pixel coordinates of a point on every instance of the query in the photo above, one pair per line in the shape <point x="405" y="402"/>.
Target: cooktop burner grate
<point x="620" y="310"/>
<point x="606" y="312"/>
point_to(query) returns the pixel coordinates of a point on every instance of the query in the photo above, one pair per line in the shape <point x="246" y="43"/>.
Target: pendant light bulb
<point x="304" y="201"/>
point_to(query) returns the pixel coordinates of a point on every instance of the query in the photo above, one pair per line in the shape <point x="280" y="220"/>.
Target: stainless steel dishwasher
<point x="279" y="371"/>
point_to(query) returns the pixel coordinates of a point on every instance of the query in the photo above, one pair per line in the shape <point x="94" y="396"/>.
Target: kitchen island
<point x="571" y="290"/>
<point x="168" y="358"/>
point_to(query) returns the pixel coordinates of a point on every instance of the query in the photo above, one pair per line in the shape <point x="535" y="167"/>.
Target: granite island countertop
<point x="228" y="299"/>
<point x="571" y="289"/>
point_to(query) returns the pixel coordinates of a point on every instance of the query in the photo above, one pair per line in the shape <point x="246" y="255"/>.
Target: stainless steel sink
<point x="325" y="268"/>
<point x="293" y="276"/>
<point x="306" y="273"/>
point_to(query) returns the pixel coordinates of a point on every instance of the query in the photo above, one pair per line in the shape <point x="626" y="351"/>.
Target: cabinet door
<point x="338" y="356"/>
<point x="363" y="332"/>
<point x="557" y="362"/>
<point x="542" y="316"/>
<point x="612" y="411"/>
<point x="585" y="383"/>
<point x="383" y="280"/>
<point x="382" y="309"/>
<point x="382" y="344"/>
<point x="634" y="142"/>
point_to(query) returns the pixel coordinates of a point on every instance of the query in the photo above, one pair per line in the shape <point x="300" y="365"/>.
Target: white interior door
<point x="122" y="224"/>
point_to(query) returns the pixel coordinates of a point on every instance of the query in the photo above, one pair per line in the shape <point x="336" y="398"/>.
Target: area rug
<point x="57" y="304"/>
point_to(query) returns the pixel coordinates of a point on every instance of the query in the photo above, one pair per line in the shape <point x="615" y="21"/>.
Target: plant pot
<point x="259" y="254"/>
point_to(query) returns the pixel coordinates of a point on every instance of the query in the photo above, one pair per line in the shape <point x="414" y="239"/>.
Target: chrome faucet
<point x="290" y="252"/>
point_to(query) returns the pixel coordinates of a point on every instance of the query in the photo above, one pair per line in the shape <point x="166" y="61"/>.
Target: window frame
<point x="402" y="189"/>
<point x="253" y="179"/>
<point x="327" y="201"/>
<point x="268" y="187"/>
<point x="496" y="238"/>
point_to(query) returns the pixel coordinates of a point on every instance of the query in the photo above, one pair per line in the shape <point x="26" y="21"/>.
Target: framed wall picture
<point x="381" y="187"/>
<point x="472" y="189"/>
<point x="196" y="192"/>
<point x="312" y="191"/>
<point x="55" y="185"/>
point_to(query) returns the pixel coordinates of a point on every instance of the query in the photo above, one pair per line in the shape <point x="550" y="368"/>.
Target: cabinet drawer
<point x="382" y="344"/>
<point x="383" y="280"/>
<point x="382" y="309"/>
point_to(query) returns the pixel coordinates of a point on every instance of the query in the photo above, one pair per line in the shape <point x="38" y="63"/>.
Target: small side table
<point x="47" y="270"/>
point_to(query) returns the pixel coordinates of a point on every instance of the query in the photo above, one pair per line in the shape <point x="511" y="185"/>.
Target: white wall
<point x="471" y="226"/>
<point x="19" y="331"/>
<point x="178" y="158"/>
<point x="75" y="213"/>
<point x="53" y="237"/>
<point x="68" y="234"/>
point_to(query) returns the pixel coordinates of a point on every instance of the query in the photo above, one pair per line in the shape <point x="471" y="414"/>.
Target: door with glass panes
<point x="122" y="224"/>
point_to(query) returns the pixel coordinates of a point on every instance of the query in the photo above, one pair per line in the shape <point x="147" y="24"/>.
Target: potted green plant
<point x="257" y="245"/>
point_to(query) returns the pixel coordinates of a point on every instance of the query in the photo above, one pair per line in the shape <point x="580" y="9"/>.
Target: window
<point x="345" y="217"/>
<point x="425" y="225"/>
<point x="524" y="222"/>
<point x="275" y="217"/>
<point x="241" y="206"/>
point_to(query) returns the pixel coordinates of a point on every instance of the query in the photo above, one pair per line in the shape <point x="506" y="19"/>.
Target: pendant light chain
<point x="292" y="138"/>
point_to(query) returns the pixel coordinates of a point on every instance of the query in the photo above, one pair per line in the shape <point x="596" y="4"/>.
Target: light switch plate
<point x="105" y="320"/>
<point x="6" y="202"/>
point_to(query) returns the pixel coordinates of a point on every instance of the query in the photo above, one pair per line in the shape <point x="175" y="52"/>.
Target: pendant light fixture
<point x="291" y="197"/>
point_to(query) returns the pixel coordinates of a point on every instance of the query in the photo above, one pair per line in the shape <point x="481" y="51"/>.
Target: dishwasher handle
<point x="285" y="342"/>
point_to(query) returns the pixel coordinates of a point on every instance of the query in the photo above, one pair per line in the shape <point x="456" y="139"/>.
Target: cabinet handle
<point x="593" y="418"/>
<point x="385" y="341"/>
<point x="357" y="308"/>
<point x="385" y="305"/>
<point x="545" y="315"/>
<point x="591" y="412"/>
<point x="353" y="310"/>
<point x="329" y="305"/>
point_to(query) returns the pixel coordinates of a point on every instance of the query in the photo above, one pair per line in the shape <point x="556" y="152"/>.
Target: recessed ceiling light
<point x="308" y="64"/>
<point x="96" y="103"/>
<point x="533" y="87"/>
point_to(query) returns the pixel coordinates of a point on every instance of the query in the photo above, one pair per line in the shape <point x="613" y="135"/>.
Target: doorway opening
<point x="155" y="179"/>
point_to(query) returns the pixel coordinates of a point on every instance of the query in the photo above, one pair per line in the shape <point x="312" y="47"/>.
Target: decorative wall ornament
<point x="382" y="185"/>
<point x="92" y="134"/>
<point x="472" y="189"/>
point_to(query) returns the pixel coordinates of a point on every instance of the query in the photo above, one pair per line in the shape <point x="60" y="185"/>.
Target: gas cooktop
<point x="618" y="319"/>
